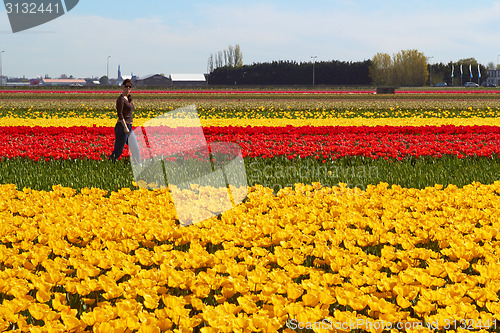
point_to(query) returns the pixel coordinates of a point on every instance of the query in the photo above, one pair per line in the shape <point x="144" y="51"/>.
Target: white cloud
<point x="79" y="45"/>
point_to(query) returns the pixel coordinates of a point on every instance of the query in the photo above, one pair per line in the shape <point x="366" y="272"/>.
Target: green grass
<point x="76" y="174"/>
<point x="361" y="171"/>
<point x="275" y="173"/>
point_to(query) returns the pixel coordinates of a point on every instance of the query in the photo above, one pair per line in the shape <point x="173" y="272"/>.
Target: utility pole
<point x="1" y="77"/>
<point x="452" y="73"/>
<point x="430" y="72"/>
<point x="314" y="60"/>
<point x="107" y="68"/>
<point x="497" y="71"/>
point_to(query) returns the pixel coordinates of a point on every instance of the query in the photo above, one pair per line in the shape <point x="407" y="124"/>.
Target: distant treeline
<point x="463" y="70"/>
<point x="293" y="73"/>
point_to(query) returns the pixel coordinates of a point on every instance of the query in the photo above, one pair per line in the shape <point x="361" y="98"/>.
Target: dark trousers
<point x="130" y="139"/>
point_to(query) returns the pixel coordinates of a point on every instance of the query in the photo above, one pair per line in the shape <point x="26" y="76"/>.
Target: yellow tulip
<point x="39" y="311"/>
<point x="403" y="302"/>
<point x="70" y="321"/>
<point x="103" y="315"/>
<point x="242" y="322"/>
<point x="247" y="304"/>
<point x="293" y="290"/>
<point x="164" y="324"/>
<point x="424" y="307"/>
<point x="149" y="329"/>
<point x="151" y="300"/>
<point x="310" y="299"/>
<point x="43" y="296"/>
<point x="327" y="298"/>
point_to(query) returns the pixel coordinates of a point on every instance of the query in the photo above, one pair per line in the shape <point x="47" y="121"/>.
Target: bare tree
<point x="210" y="63"/>
<point x="231" y="57"/>
<point x="238" y="57"/>
<point x="219" y="62"/>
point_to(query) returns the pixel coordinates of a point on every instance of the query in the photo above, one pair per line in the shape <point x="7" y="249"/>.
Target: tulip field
<point x="364" y="213"/>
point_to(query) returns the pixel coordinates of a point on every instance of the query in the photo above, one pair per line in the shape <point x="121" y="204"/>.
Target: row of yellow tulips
<point x="119" y="261"/>
<point x="111" y="122"/>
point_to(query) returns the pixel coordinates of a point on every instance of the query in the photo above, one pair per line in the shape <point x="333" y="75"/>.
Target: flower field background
<point x="364" y="209"/>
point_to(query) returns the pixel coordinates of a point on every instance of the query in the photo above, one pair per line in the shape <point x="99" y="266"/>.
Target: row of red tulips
<point x="201" y="92"/>
<point x="319" y="142"/>
<point x="256" y="92"/>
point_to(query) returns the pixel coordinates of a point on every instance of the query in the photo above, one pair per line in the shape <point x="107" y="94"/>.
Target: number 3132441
<point x="32" y="8"/>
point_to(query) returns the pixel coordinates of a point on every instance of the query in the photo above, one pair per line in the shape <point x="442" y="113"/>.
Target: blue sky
<point x="167" y="37"/>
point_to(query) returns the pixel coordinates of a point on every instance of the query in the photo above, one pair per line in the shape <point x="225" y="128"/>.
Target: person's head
<point x="127" y="86"/>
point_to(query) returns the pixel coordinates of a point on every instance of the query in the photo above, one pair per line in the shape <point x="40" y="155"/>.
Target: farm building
<point x="153" y="80"/>
<point x="180" y="80"/>
<point x="63" y="82"/>
<point x="493" y="77"/>
<point x="17" y="84"/>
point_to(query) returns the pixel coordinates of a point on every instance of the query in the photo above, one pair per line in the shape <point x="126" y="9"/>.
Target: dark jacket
<point x="124" y="109"/>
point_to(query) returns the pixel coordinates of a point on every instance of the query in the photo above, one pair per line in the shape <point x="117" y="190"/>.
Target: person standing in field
<point x="123" y="128"/>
